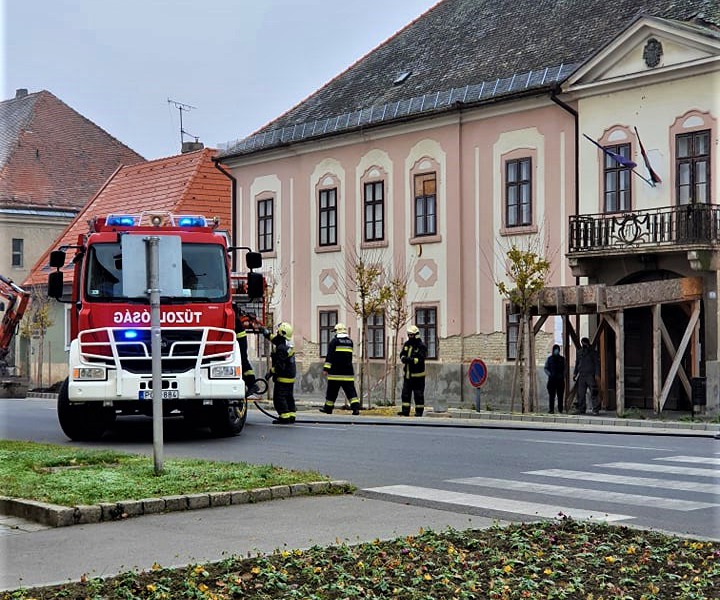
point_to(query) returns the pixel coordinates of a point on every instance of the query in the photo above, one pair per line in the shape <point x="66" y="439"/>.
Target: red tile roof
<point x="183" y="184"/>
<point x="50" y="155"/>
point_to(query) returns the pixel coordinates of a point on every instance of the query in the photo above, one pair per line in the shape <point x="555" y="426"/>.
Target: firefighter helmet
<point x="412" y="330"/>
<point x="340" y="328"/>
<point x="285" y="330"/>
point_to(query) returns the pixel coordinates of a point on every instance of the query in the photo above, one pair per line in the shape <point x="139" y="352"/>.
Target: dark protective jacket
<point x="588" y="362"/>
<point x="282" y="358"/>
<point x="339" y="359"/>
<point x="555" y="366"/>
<point x="414" y="351"/>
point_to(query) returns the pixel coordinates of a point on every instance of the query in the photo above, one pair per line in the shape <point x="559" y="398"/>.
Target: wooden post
<point x="657" y="356"/>
<point x="620" y="364"/>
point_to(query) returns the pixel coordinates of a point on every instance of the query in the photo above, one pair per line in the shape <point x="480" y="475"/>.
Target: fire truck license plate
<point x="166" y="394"/>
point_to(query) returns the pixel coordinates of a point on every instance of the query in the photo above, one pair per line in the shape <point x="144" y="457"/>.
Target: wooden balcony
<point x="678" y="228"/>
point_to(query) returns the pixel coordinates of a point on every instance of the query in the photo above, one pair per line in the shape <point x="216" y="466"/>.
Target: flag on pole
<point x="621" y="160"/>
<point x="654" y="177"/>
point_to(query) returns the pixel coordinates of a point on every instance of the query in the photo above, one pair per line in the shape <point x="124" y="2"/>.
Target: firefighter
<point x="338" y="369"/>
<point x="283" y="372"/>
<point x="248" y="374"/>
<point x="413" y="355"/>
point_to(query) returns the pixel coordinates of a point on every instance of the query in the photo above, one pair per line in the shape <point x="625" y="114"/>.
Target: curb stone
<point x="55" y="515"/>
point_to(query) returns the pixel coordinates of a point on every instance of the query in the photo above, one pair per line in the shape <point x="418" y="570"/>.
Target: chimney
<point x="21" y="92"/>
<point x="192" y="146"/>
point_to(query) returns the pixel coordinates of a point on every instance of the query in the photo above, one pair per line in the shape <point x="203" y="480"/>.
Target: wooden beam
<point x="657" y="356"/>
<point x="620" y="364"/>
<point x="671" y="350"/>
<point x="681" y="350"/>
<point x="538" y="326"/>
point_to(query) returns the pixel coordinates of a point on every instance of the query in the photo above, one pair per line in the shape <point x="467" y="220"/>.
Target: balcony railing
<point x="692" y="224"/>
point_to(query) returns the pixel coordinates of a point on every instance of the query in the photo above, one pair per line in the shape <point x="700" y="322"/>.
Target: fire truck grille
<point x="181" y="350"/>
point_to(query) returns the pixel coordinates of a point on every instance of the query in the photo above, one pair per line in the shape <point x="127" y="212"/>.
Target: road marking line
<point x="670" y="484"/>
<point x="585" y="494"/>
<point x="493" y="503"/>
<point x="596" y="445"/>
<point x="692" y="459"/>
<point x="655" y="468"/>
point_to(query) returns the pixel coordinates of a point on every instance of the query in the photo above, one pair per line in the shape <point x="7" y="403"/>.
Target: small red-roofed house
<point x="184" y="184"/>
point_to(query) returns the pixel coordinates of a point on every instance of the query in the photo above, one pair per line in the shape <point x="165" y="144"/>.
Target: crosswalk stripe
<point x="691" y="459"/>
<point x="492" y="503"/>
<point x="655" y="468"/>
<point x="669" y="484"/>
<point x="585" y="494"/>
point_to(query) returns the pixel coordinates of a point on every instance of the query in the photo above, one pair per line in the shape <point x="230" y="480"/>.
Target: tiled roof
<point x="184" y="184"/>
<point x="460" y="43"/>
<point x="50" y="155"/>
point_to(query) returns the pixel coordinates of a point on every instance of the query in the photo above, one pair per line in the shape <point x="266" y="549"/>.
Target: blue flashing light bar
<point x="191" y="221"/>
<point x="121" y="220"/>
<point x="130" y="334"/>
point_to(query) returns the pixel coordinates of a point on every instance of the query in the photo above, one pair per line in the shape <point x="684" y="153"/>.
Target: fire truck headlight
<point x="225" y="372"/>
<point x="90" y="373"/>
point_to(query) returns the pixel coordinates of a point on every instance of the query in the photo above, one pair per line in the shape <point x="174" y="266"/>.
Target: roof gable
<point x="186" y="183"/>
<point x="650" y="47"/>
<point x="50" y="155"/>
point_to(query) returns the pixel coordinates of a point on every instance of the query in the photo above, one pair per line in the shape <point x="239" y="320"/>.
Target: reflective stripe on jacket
<point x="416" y="351"/>
<point x="339" y="360"/>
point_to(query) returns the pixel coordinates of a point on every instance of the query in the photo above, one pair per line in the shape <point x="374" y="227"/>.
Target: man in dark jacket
<point x="587" y="371"/>
<point x="555" y="371"/>
<point x="413" y="355"/>
<point x="283" y="373"/>
<point x="338" y="369"/>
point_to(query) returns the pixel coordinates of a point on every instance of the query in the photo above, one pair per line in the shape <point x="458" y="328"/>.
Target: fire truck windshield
<point x="204" y="273"/>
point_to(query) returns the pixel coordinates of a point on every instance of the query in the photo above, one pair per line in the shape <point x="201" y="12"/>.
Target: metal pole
<point x="153" y="272"/>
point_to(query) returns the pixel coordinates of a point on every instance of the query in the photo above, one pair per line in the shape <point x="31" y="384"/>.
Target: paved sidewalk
<point x="174" y="539"/>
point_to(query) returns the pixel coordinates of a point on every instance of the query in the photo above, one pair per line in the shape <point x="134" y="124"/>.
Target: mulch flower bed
<point x="544" y="560"/>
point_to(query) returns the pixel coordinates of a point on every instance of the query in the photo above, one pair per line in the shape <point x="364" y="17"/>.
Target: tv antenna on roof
<point x="181" y="107"/>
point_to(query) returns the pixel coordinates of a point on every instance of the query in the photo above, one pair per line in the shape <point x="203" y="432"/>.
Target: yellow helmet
<point x="412" y="330"/>
<point x="340" y="328"/>
<point x="285" y="330"/>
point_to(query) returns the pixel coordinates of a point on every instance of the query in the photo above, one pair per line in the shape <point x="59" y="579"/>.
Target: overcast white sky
<point x="241" y="63"/>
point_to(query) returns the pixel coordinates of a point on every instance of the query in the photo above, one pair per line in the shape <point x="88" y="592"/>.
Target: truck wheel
<point x="82" y="422"/>
<point x="227" y="419"/>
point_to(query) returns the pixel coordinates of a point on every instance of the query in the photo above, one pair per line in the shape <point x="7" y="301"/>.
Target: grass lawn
<point x="548" y="560"/>
<point x="73" y="476"/>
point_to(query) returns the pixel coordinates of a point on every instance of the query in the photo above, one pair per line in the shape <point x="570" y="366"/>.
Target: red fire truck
<point x="110" y="361"/>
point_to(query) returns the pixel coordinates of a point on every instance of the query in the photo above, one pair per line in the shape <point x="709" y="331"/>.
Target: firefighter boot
<point x="419" y="411"/>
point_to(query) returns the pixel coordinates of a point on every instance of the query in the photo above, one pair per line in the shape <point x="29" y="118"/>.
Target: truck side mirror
<point x="255" y="286"/>
<point x="57" y="259"/>
<point x="253" y="260"/>
<point x="55" y="285"/>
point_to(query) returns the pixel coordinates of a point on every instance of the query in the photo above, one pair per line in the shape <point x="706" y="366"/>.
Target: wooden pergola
<point x="609" y="304"/>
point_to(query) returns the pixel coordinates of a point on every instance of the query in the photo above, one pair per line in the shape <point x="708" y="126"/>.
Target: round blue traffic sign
<point x="477" y="373"/>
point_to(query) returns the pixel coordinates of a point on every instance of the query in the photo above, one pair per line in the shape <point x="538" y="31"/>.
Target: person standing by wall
<point x="338" y="369"/>
<point x="412" y="356"/>
<point x="283" y="371"/>
<point x="586" y="373"/>
<point x="555" y="371"/>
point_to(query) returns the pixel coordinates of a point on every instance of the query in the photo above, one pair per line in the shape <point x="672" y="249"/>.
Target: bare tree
<point x="398" y="315"/>
<point x="528" y="273"/>
<point x="366" y="295"/>
<point x="35" y="325"/>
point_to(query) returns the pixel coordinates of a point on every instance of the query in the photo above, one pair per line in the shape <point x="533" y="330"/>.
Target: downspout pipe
<point x="576" y="119"/>
<point x="233" y="208"/>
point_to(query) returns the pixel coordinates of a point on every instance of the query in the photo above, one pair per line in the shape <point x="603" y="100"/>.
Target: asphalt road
<point x="663" y="482"/>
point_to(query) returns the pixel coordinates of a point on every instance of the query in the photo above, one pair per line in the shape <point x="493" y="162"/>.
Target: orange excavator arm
<point x="16" y="301"/>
